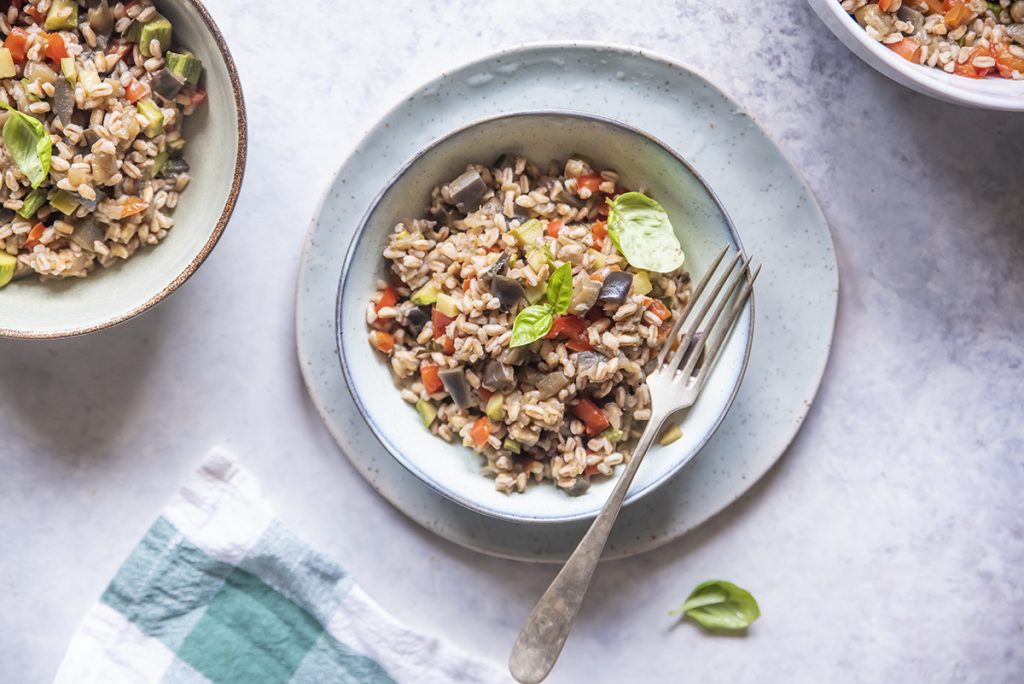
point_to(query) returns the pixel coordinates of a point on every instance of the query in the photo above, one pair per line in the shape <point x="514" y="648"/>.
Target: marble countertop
<point x="887" y="545"/>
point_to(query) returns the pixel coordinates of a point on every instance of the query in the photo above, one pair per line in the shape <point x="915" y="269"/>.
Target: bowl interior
<point x="31" y="308"/>
<point x="452" y="469"/>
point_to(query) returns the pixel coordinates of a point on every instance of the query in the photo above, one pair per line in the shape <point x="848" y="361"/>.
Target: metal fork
<point x="674" y="385"/>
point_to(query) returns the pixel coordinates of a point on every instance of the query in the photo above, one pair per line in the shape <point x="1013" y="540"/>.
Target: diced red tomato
<point x="448" y="344"/>
<point x="485" y="393"/>
<point x="1006" y="61"/>
<point x="481" y="430"/>
<point x="440" y="322"/>
<point x="55" y="50"/>
<point x="430" y="375"/>
<point x="591" y="415"/>
<point x="599" y="229"/>
<point x="591" y="471"/>
<point x="130" y="206"/>
<point x="387" y="298"/>
<point x="467" y="283"/>
<point x="659" y="309"/>
<point x="885" y="5"/>
<point x="196" y="96"/>
<point x="566" y="326"/>
<point x="135" y="91"/>
<point x="528" y="465"/>
<point x="908" y="48"/>
<point x="968" y="69"/>
<point x="553" y="227"/>
<point x="37" y="16"/>
<point x="34" y="235"/>
<point x="591" y="182"/>
<point x="600" y="274"/>
<point x="382" y="341"/>
<point x="17" y="43"/>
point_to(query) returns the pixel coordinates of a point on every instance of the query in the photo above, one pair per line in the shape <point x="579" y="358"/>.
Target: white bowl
<point x="216" y="149"/>
<point x="452" y="469"/>
<point x="987" y="93"/>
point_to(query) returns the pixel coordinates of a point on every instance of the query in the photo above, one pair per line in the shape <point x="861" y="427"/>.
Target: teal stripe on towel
<point x="329" y="661"/>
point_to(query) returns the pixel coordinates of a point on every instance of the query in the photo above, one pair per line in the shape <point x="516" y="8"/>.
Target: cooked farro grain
<point x="567" y="406"/>
<point x="111" y="93"/>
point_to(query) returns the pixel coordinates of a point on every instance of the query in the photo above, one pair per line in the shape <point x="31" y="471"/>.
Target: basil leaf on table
<point x="29" y="145"/>
<point x="560" y="289"/>
<point x="641" y="230"/>
<point x="531" y="324"/>
<point x="721" y="605"/>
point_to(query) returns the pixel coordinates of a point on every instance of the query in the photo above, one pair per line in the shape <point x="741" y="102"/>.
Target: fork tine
<point x="684" y="341"/>
<point x="712" y="352"/>
<point x="694" y="296"/>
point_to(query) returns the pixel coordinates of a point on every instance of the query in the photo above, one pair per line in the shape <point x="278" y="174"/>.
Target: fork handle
<point x="546" y="629"/>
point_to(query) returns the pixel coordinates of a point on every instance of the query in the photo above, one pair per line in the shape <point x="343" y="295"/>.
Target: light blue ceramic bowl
<point x="643" y="162"/>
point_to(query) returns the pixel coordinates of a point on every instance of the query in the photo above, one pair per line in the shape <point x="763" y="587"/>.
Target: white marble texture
<point x="887" y="545"/>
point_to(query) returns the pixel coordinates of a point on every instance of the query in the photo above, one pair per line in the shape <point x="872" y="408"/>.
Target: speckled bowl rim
<point x="381" y="435"/>
<point x="218" y="230"/>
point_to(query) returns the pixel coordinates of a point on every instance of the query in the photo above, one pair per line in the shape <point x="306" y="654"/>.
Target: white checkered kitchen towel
<point x="220" y="591"/>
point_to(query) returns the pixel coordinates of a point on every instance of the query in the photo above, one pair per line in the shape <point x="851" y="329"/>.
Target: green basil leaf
<point x="721" y="605"/>
<point x="641" y="230"/>
<point x="560" y="289"/>
<point x="29" y="145"/>
<point x="531" y="324"/>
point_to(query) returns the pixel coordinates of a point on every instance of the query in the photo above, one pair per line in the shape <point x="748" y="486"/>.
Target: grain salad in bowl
<point x="93" y="96"/>
<point x="524" y="309"/>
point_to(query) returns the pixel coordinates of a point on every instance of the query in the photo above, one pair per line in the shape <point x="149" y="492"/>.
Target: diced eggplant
<point x="86" y="234"/>
<point x="507" y="290"/>
<point x="871" y="15"/>
<point x="616" y="287"/>
<point x="417" y="318"/>
<point x="532" y="375"/>
<point x="6" y="216"/>
<point x="505" y="161"/>
<point x="91" y="136"/>
<point x="580" y="487"/>
<point x="911" y="16"/>
<point x="444" y="215"/>
<point x="101" y="19"/>
<point x="514" y="356"/>
<point x="498" y="377"/>
<point x="467" y="191"/>
<point x="551" y="384"/>
<point x="63" y="100"/>
<point x="166" y="84"/>
<point x="175" y="166"/>
<point x="492" y="206"/>
<point x="584" y="296"/>
<point x="588" y="359"/>
<point x="90" y="204"/>
<point x="500" y="266"/>
<point x="1016" y="32"/>
<point x="454" y="381"/>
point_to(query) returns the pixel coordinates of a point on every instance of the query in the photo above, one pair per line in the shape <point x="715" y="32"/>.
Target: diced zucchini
<point x="597" y="259"/>
<point x="425" y="296"/>
<point x="536" y="258"/>
<point x="402" y="235"/>
<point x="63" y="16"/>
<point x="185" y="65"/>
<point x="495" y="408"/>
<point x="159" y="161"/>
<point x="536" y="293"/>
<point x="154" y="118"/>
<point x="8" y="263"/>
<point x="529" y="232"/>
<point x="30" y="206"/>
<point x="68" y="68"/>
<point x="64" y="203"/>
<point x="446" y="305"/>
<point x="668" y="436"/>
<point x="158" y="28"/>
<point x="7" y="68"/>
<point x="612" y="434"/>
<point x="511" y="445"/>
<point x="427" y="412"/>
<point x="641" y="283"/>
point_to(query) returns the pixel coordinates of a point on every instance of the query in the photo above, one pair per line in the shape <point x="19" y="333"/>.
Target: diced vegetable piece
<point x="8" y="265"/>
<point x="958" y="15"/>
<point x="440" y="322"/>
<point x="17" y="43"/>
<point x="64" y="203"/>
<point x="56" y="49"/>
<point x="588" y="359"/>
<point x="166" y="84"/>
<point x="498" y="377"/>
<point x="446" y="305"/>
<point x="507" y="290"/>
<point x="63" y="100"/>
<point x="34" y="236"/>
<point x="1006" y="61"/>
<point x="481" y="431"/>
<point x="885" y="5"/>
<point x="185" y="65"/>
<point x="382" y="341"/>
<point x="389" y="297"/>
<point x="427" y="411"/>
<point x="672" y="434"/>
<point x="590" y="182"/>
<point x="159" y="161"/>
<point x="455" y="383"/>
<point x="612" y="434"/>
<point x="935" y="6"/>
<point x="616" y="287"/>
<point x="431" y="378"/>
<point x="467" y="191"/>
<point x="659" y="309"/>
<point x="551" y="384"/>
<point x="158" y="28"/>
<point x="101" y="19"/>
<point x="31" y="204"/>
<point x="87" y="234"/>
<point x="584" y="296"/>
<point x="552" y="228"/>
<point x="567" y="327"/>
<point x="425" y="296"/>
<point x="69" y="69"/>
<point x="641" y="283"/>
<point x="495" y="408"/>
<point x="511" y="445"/>
<point x="500" y="266"/>
<point x="599" y="230"/>
<point x="123" y="207"/>
<point x="908" y="48"/>
<point x="7" y="68"/>
<point x="529" y="232"/>
<point x="591" y="415"/>
<point x="871" y="15"/>
<point x="154" y="118"/>
<point x="63" y="16"/>
<point x="417" y="318"/>
<point x="536" y="293"/>
<point x="448" y="345"/>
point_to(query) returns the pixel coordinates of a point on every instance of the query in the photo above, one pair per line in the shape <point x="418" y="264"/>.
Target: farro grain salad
<point x="93" y="95"/>
<point x="524" y="311"/>
<point x="971" y="38"/>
